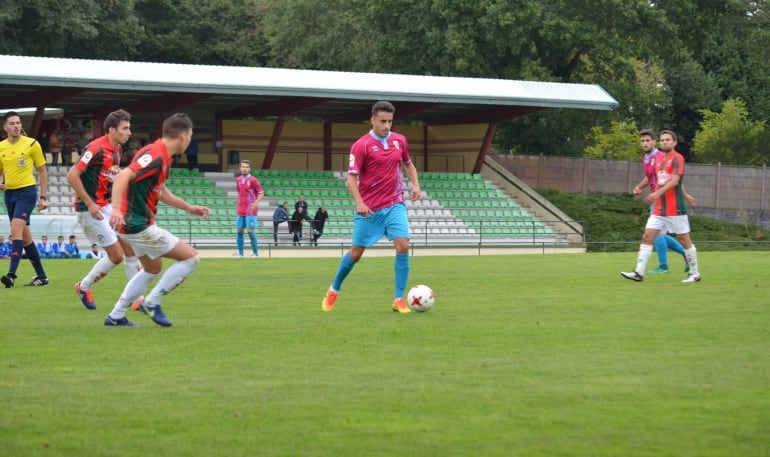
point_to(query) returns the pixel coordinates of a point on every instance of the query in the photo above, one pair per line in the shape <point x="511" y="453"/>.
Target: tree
<point x="45" y="27"/>
<point x="209" y="32"/>
<point x="621" y="142"/>
<point x="730" y="137"/>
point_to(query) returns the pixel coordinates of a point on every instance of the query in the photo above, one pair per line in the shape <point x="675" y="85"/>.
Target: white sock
<point x="133" y="290"/>
<point x="100" y="270"/>
<point x="132" y="266"/>
<point x="645" y="252"/>
<point x="692" y="260"/>
<point x="174" y="276"/>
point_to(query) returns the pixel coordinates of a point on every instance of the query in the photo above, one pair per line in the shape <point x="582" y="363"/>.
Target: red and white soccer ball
<point x="420" y="298"/>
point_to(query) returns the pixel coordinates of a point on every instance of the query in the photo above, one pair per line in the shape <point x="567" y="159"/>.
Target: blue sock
<point x="346" y="265"/>
<point x="401" y="267"/>
<point x="239" y="239"/>
<point x="17" y="246"/>
<point x="253" y="238"/>
<point x="674" y="244"/>
<point x="34" y="258"/>
<point x="662" y="250"/>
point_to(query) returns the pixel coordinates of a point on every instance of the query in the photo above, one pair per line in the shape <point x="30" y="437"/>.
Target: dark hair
<point x="176" y="124"/>
<point x="114" y="119"/>
<point x="10" y="114"/>
<point x="647" y="132"/>
<point x="383" y="106"/>
<point x="669" y="132"/>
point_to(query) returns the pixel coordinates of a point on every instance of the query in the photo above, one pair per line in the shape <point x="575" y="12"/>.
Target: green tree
<point x="45" y="27"/>
<point x="730" y="137"/>
<point x="210" y="32"/>
<point x="620" y="142"/>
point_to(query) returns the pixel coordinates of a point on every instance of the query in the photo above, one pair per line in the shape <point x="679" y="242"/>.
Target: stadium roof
<point x="96" y="87"/>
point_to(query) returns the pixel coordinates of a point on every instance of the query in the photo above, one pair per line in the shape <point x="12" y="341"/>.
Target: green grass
<point x="522" y="355"/>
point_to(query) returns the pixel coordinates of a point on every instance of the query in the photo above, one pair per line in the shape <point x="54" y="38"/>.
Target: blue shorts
<point x="246" y="222"/>
<point x="391" y="222"/>
<point x="21" y="202"/>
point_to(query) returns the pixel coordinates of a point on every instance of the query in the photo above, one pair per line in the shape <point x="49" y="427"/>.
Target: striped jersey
<point x="140" y="202"/>
<point x="377" y="162"/>
<point x="671" y="203"/>
<point x="99" y="164"/>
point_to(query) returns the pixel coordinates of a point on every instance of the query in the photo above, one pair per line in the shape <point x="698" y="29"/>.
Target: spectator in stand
<point x="318" y="222"/>
<point x="60" y="247"/>
<point x="281" y="214"/>
<point x="192" y="155"/>
<point x="54" y="146"/>
<point x="95" y="252"/>
<point x="295" y="224"/>
<point x="73" y="251"/>
<point x="42" y="138"/>
<point x="67" y="143"/>
<point x="44" y="248"/>
<point x="5" y="248"/>
<point x="301" y="203"/>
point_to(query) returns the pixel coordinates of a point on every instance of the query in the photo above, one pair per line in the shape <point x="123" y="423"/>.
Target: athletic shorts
<point x="391" y="222"/>
<point x="246" y="222"/>
<point x="98" y="231"/>
<point x="678" y="225"/>
<point x="21" y="202"/>
<point x="153" y="241"/>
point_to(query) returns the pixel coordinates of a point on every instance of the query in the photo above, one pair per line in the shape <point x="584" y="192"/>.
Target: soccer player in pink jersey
<point x="250" y="193"/>
<point x="664" y="241"/>
<point x="91" y="179"/>
<point x="376" y="184"/>
<point x="670" y="211"/>
<point x="136" y="192"/>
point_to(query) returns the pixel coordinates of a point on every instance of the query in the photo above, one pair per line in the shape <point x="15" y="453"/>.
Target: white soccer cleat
<point x="691" y="278"/>
<point x="632" y="275"/>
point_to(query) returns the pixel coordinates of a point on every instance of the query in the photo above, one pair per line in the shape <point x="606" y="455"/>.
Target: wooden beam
<point x="272" y="147"/>
<point x="484" y="149"/>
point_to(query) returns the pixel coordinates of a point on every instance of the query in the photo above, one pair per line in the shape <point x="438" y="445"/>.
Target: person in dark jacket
<point x="281" y="214"/>
<point x="319" y="220"/>
<point x="295" y="224"/>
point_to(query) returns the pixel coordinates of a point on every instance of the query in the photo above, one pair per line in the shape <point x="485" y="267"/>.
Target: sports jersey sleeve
<point x="257" y="186"/>
<point x="405" y="157"/>
<point x="36" y="152"/>
<point x="357" y="154"/>
<point x="89" y="154"/>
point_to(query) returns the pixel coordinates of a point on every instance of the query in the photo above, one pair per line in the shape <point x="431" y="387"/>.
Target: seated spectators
<point x="45" y="248"/>
<point x="95" y="252"/>
<point x="5" y="248"/>
<point x="73" y="251"/>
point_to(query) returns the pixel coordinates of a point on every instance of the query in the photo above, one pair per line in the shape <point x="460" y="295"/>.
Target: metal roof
<point x="99" y="86"/>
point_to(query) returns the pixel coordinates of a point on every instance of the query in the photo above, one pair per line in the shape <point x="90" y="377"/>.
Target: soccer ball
<point x="420" y="298"/>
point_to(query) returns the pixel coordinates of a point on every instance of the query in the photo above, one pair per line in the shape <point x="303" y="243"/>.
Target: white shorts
<point x="678" y="225"/>
<point x="153" y="241"/>
<point x="98" y="230"/>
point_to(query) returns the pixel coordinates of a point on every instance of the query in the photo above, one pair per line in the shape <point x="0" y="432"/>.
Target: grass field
<point x="522" y="356"/>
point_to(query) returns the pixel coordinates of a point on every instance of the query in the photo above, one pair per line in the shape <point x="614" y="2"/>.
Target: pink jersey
<point x="377" y="162"/>
<point x="248" y="189"/>
<point x="650" y="169"/>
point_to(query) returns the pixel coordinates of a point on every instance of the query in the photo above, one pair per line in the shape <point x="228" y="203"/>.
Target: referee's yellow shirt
<point x="18" y="160"/>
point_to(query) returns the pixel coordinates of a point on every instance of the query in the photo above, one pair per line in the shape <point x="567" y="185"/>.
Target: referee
<point x="19" y="154"/>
